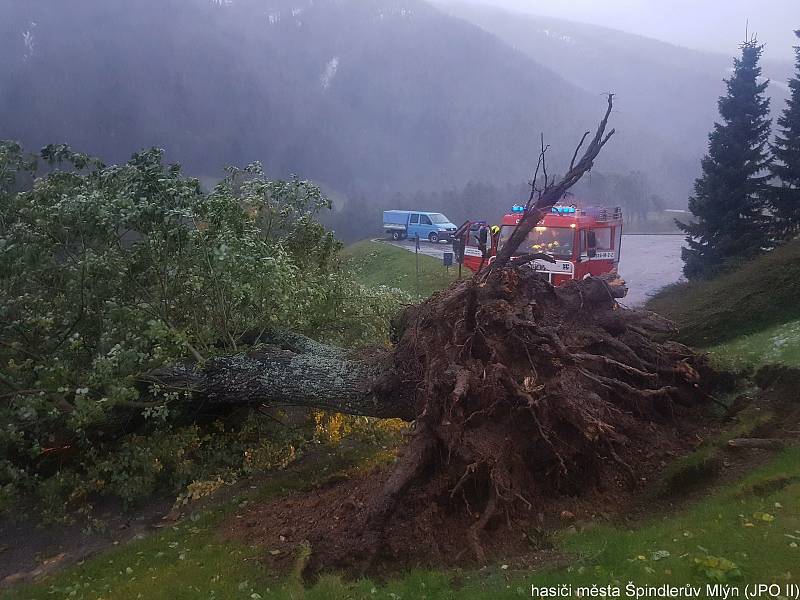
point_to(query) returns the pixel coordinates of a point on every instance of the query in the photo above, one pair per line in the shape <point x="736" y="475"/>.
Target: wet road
<point x="648" y="263"/>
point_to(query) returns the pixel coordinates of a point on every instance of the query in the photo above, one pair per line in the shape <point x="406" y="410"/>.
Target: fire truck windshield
<point x="558" y="241"/>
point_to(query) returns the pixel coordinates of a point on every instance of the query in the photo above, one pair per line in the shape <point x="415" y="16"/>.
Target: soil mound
<point x="536" y="406"/>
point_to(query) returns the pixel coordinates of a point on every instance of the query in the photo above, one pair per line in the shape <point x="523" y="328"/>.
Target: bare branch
<point x="524" y="259"/>
<point x="544" y="161"/>
<point x="554" y="192"/>
<point x="577" y="149"/>
<point x="536" y="177"/>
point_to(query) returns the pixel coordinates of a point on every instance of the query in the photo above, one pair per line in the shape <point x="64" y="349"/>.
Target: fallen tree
<point x="288" y="369"/>
<point x="518" y="392"/>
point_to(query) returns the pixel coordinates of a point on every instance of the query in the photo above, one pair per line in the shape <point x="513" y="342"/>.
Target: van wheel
<point x="433" y="238"/>
<point x="396" y="235"/>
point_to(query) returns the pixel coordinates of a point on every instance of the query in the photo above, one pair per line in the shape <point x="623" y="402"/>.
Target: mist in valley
<point x="385" y="103"/>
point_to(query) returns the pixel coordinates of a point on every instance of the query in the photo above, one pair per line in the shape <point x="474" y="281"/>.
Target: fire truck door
<point x="588" y="244"/>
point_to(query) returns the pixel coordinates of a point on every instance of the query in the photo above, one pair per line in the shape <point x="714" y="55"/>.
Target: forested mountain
<point x="384" y="94"/>
<point x="669" y="91"/>
<point x="368" y="98"/>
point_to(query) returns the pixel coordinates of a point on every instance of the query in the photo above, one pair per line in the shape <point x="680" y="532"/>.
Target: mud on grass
<point x="771" y="411"/>
<point x="663" y="550"/>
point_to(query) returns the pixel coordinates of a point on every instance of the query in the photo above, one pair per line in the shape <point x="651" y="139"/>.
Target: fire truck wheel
<point x="433" y="238"/>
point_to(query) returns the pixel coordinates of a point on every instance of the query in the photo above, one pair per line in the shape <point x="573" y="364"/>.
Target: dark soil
<point x="428" y="532"/>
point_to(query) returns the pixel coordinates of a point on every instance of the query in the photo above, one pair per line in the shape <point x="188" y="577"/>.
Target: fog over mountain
<point x="382" y="95"/>
<point x="664" y="89"/>
<point x="710" y="25"/>
<point x="370" y="98"/>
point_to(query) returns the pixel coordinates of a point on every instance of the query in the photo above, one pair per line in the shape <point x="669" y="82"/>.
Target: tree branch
<point x="552" y="193"/>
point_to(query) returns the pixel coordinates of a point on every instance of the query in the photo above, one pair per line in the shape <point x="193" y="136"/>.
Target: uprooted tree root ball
<point x="530" y="400"/>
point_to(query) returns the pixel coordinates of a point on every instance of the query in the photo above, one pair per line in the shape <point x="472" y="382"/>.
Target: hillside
<point x="369" y="97"/>
<point x="381" y="95"/>
<point x="381" y="264"/>
<point x="661" y="88"/>
<point x="756" y="304"/>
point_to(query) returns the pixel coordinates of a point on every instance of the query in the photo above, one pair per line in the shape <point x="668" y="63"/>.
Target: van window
<point x="415" y="218"/>
<point x="424" y="220"/>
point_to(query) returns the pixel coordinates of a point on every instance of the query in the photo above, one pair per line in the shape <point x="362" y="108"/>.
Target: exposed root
<point x="540" y="389"/>
<point x="479" y="526"/>
<point x="526" y="395"/>
<point x="416" y="457"/>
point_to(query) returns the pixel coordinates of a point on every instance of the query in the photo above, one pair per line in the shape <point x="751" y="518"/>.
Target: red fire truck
<point x="582" y="241"/>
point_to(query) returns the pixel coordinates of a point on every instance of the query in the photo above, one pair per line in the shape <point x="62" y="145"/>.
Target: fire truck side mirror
<point x="591" y="253"/>
<point x="483" y="235"/>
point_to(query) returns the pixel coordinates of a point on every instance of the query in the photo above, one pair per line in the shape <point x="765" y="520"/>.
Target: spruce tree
<point x="785" y="196"/>
<point x="730" y="195"/>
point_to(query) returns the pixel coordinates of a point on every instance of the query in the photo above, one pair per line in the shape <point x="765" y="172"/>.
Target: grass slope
<point x="763" y="294"/>
<point x="776" y="344"/>
<point x="377" y="263"/>
<point x="744" y="532"/>
<point x="190" y="559"/>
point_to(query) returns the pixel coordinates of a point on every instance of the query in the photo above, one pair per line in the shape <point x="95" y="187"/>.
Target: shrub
<point x="109" y="271"/>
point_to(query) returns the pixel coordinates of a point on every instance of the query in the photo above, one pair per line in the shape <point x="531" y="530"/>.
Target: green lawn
<point x="745" y="319"/>
<point x="764" y="293"/>
<point x="745" y="532"/>
<point x="377" y="263"/>
<point x="776" y="344"/>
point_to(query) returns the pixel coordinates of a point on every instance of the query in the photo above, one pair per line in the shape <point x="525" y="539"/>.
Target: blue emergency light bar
<point x="564" y="210"/>
<point x="517" y="208"/>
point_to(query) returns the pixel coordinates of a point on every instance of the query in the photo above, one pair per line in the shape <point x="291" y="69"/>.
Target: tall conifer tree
<point x="785" y="196"/>
<point x="730" y="195"/>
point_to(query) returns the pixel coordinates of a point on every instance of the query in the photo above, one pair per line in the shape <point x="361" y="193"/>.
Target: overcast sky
<point x="717" y="25"/>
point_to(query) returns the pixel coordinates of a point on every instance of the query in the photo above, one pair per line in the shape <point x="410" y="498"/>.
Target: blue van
<point x="431" y="226"/>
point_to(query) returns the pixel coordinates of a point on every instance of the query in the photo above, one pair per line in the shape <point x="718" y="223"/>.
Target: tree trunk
<point x="291" y="370"/>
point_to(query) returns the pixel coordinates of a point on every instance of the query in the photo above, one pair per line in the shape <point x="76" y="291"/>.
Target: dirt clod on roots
<point x="532" y="402"/>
